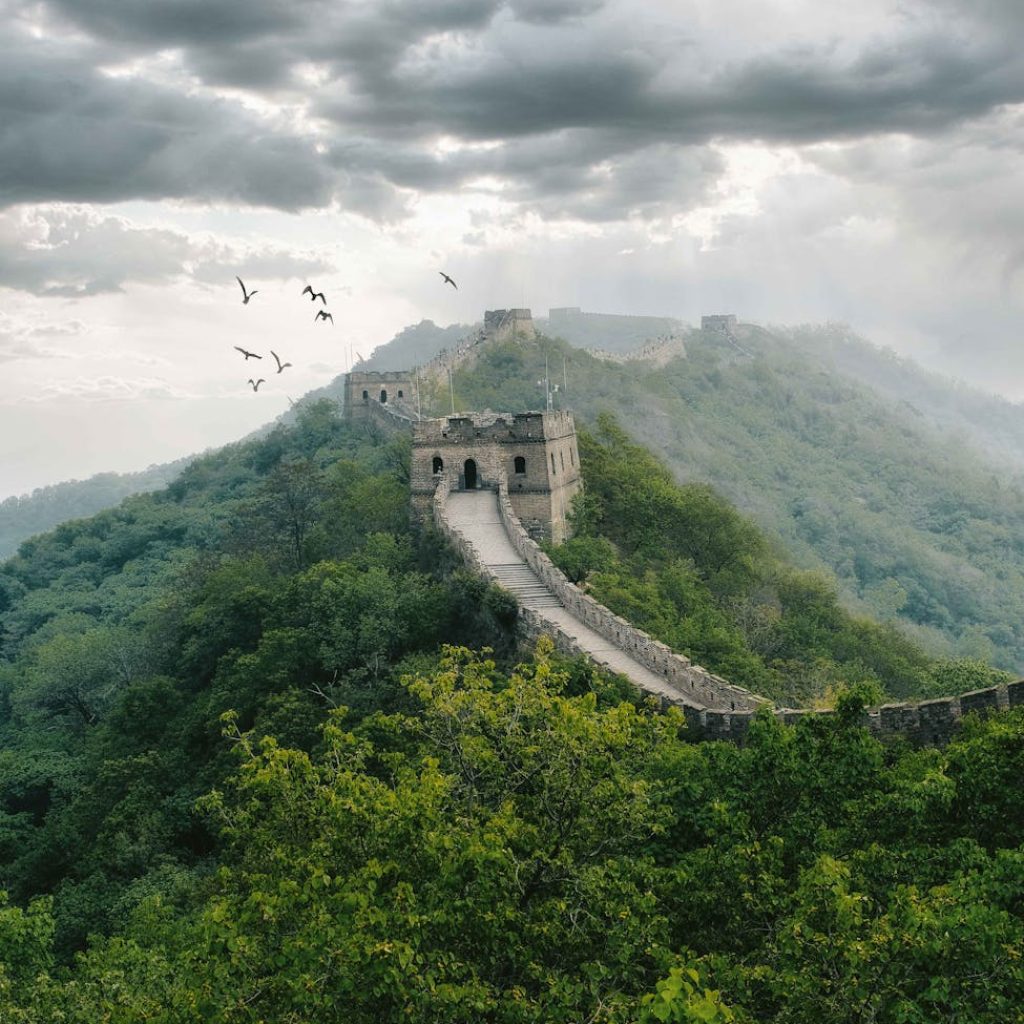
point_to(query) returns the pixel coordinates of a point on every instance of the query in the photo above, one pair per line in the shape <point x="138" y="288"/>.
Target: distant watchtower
<point x="718" y="322"/>
<point x="392" y="387"/>
<point x="536" y="452"/>
<point x="500" y="324"/>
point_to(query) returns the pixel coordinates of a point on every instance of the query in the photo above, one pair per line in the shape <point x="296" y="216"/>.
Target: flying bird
<point x="447" y="280"/>
<point x="280" y="365"/>
<point x="256" y="383"/>
<point x="313" y="296"/>
<point x="248" y="355"/>
<point x="323" y="316"/>
<point x="246" y="296"/>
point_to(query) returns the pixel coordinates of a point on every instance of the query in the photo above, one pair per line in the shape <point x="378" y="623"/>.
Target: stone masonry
<point x="535" y="452"/>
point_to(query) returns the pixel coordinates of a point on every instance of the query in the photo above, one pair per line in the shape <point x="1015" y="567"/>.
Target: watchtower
<point x="718" y="322"/>
<point x="508" y="323"/>
<point x="390" y="387"/>
<point x="536" y="452"/>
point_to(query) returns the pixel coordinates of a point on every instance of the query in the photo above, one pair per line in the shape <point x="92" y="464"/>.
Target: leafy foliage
<point x="685" y="566"/>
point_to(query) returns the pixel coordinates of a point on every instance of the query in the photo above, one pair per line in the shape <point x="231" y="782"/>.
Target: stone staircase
<point x="474" y="516"/>
<point x="521" y="580"/>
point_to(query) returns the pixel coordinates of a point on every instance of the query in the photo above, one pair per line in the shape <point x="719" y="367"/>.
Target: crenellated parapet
<point x="535" y="451"/>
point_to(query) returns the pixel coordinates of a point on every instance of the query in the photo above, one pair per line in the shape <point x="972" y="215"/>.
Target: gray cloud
<point x="385" y="81"/>
<point x="71" y="252"/>
<point x="71" y="133"/>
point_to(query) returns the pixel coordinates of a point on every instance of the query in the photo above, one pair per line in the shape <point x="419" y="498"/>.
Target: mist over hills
<point x="912" y="510"/>
<point x="903" y="484"/>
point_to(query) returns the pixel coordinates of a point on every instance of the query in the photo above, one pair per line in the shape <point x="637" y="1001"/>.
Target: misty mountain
<point x="901" y="483"/>
<point x="921" y="524"/>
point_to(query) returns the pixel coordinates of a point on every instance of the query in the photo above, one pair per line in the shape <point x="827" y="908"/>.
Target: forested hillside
<point x="252" y="770"/>
<point x="917" y="526"/>
<point x="23" y="515"/>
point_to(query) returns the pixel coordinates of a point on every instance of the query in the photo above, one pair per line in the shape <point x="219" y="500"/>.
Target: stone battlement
<point x="535" y="451"/>
<point x="497" y="428"/>
<point x="718" y="322"/>
<point x="509" y="323"/>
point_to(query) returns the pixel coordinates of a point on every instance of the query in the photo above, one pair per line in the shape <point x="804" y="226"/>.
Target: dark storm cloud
<point x="594" y="113"/>
<point x="70" y="133"/>
<point x="551" y="12"/>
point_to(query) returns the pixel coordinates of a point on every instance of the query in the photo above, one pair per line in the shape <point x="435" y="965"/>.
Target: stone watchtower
<point x="536" y="451"/>
<point x="391" y="387"/>
<point x="505" y="324"/>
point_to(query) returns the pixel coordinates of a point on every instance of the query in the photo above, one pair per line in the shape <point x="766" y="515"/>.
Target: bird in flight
<point x="246" y="296"/>
<point x="448" y="280"/>
<point x="277" y="359"/>
<point x="248" y="355"/>
<point x="313" y="296"/>
<point x="323" y="316"/>
<point x="256" y="383"/>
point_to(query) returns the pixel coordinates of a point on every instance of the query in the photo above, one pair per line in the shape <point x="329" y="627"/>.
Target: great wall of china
<point x="493" y="484"/>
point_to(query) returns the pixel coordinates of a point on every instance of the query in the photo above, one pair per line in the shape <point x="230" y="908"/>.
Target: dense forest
<point x="916" y="526"/>
<point x="267" y="755"/>
<point x="23" y="515"/>
<point x="684" y="565"/>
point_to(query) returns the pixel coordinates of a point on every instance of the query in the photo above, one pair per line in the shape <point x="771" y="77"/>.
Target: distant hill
<point x="23" y="515"/>
<point x="919" y="512"/>
<point x="46" y="507"/>
<point x="991" y="423"/>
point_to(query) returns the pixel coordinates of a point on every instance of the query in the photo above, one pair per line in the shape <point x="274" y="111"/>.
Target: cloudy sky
<point x="787" y="160"/>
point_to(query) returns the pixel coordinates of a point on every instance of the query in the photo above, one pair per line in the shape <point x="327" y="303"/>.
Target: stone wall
<point x="714" y="708"/>
<point x="718" y="322"/>
<point x="695" y="685"/>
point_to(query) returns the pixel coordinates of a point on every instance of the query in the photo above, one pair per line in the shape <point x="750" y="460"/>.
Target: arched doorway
<point x="383" y="396"/>
<point x="469" y="471"/>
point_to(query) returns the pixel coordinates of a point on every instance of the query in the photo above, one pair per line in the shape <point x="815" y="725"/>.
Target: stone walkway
<point x="474" y="514"/>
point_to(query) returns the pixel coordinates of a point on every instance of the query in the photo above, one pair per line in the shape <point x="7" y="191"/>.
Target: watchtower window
<point x="552" y="462"/>
<point x="383" y="396"/>
<point x="401" y="393"/>
<point x="366" y="396"/>
<point x="438" y="464"/>
<point x="520" y="464"/>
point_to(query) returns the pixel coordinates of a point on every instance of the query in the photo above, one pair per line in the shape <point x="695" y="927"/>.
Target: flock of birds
<point x="322" y="314"/>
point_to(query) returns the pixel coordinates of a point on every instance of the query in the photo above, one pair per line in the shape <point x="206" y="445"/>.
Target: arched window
<point x="438" y="464"/>
<point x="520" y="464"/>
<point x="383" y="396"/>
<point x="366" y="396"/>
<point x="552" y="462"/>
<point x="401" y="393"/>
